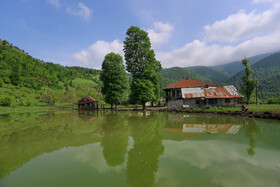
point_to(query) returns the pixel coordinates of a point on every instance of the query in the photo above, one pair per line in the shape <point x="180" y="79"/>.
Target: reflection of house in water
<point x="197" y="129"/>
<point x="87" y="115"/>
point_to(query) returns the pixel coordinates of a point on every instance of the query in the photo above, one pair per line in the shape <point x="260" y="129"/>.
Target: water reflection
<point x="115" y="139"/>
<point x="143" y="158"/>
<point x="139" y="148"/>
<point x="252" y="129"/>
<point x="27" y="136"/>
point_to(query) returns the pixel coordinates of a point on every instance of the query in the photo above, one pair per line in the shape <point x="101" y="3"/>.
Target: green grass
<point x="78" y="82"/>
<point x="38" y="108"/>
<point x="252" y="107"/>
<point x="264" y="107"/>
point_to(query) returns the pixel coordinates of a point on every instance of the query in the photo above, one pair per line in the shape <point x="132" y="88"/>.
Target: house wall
<point x="222" y="102"/>
<point x="190" y="102"/>
<point x="173" y="104"/>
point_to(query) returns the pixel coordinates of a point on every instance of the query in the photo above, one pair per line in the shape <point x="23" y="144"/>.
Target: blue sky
<point x="183" y="32"/>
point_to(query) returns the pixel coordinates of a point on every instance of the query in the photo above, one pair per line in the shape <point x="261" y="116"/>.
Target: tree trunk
<point x="111" y="106"/>
<point x="144" y="106"/>
<point x="248" y="101"/>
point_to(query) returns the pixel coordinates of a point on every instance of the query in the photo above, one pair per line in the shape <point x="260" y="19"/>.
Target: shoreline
<point x="251" y="114"/>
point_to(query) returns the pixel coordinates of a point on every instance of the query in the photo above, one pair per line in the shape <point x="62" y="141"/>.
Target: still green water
<point x="107" y="148"/>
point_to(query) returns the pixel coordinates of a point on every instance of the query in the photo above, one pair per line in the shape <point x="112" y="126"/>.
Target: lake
<point x="105" y="148"/>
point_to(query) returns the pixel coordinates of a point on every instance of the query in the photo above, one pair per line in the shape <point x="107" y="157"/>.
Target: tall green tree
<point x="248" y="83"/>
<point x="114" y="78"/>
<point x="142" y="64"/>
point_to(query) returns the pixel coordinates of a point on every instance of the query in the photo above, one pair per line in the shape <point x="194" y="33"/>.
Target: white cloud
<point x="94" y="55"/>
<point x="160" y="34"/>
<point x="82" y="11"/>
<point x="265" y="1"/>
<point x="200" y="53"/>
<point x="55" y="3"/>
<point x="244" y="25"/>
<point x="252" y="33"/>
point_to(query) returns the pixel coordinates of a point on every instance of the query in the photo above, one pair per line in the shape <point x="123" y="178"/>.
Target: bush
<point x="1" y="82"/>
<point x="206" y="107"/>
<point x="5" y="100"/>
<point x="28" y="103"/>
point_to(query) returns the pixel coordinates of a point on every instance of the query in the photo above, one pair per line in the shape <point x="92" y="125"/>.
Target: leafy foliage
<point x="142" y="64"/>
<point x="5" y="100"/>
<point x="248" y="84"/>
<point x="114" y="78"/>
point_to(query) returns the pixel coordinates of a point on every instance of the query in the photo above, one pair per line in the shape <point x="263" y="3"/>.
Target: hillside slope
<point x="212" y="74"/>
<point x="26" y="78"/>
<point x="267" y="71"/>
<point x="234" y="67"/>
<point x="171" y="75"/>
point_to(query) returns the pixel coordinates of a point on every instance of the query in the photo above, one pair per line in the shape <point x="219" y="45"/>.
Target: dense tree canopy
<point x="142" y="64"/>
<point x="114" y="78"/>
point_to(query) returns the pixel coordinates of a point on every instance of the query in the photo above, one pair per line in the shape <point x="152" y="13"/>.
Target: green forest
<point x="26" y="81"/>
<point x="29" y="81"/>
<point x="267" y="71"/>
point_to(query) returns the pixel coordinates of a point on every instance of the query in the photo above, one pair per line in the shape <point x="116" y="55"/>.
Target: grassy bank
<point x="37" y="108"/>
<point x="252" y="107"/>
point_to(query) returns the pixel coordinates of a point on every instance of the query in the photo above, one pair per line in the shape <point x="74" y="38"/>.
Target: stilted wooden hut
<point x="88" y="103"/>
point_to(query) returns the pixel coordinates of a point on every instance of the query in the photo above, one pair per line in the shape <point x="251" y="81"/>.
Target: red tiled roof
<point x="188" y="83"/>
<point x="89" y="100"/>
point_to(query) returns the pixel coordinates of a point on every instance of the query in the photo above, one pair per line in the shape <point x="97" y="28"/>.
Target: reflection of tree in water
<point x="143" y="158"/>
<point x="252" y="128"/>
<point x="115" y="139"/>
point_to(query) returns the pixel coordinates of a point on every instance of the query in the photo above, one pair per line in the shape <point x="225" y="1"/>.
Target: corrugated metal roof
<point x="211" y="92"/>
<point x="222" y="92"/>
<point x="188" y="83"/>
<point x="192" y="92"/>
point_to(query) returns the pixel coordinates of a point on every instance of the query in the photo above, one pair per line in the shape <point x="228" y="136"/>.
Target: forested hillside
<point x="234" y="67"/>
<point x="29" y="81"/>
<point x="171" y="75"/>
<point x="214" y="75"/>
<point x="267" y="71"/>
<point x="222" y="73"/>
<point x="26" y="78"/>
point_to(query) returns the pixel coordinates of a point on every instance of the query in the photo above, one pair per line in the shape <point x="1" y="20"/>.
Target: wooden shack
<point x="88" y="103"/>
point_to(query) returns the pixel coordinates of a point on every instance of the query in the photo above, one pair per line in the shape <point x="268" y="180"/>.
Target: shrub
<point x="1" y="82"/>
<point x="5" y="100"/>
<point x="28" y="103"/>
<point x="21" y="103"/>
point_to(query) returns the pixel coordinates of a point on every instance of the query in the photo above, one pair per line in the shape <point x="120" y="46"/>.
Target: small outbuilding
<point x="88" y="103"/>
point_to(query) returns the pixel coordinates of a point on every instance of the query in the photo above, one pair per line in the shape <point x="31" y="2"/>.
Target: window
<point x="227" y="100"/>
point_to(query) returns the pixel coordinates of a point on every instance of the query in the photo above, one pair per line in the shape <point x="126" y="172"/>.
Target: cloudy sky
<point x="183" y="32"/>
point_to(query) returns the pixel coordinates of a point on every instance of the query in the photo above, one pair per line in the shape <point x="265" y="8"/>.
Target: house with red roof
<point x="191" y="92"/>
<point x="87" y="103"/>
